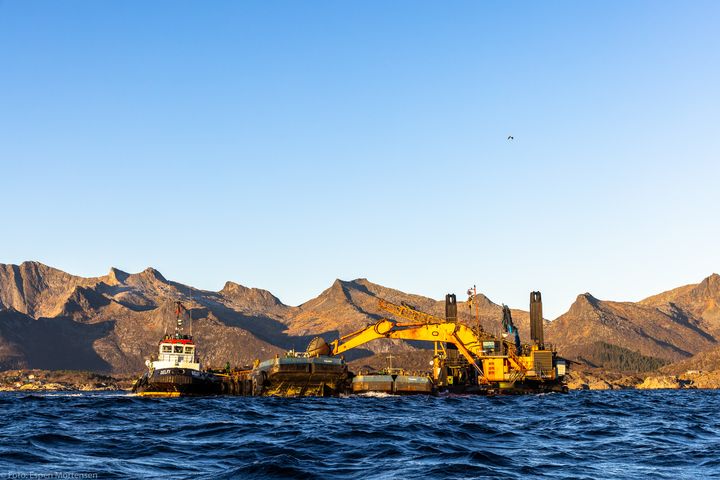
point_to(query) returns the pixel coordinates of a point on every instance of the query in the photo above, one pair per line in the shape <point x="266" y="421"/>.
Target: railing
<point x="512" y="356"/>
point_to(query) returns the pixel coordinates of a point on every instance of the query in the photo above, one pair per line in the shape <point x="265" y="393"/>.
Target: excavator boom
<point x="409" y="313"/>
<point x="468" y="343"/>
<point x="447" y="332"/>
<point x="494" y="360"/>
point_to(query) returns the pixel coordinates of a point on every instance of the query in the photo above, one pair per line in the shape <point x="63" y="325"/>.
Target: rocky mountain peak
<point x="587" y="298"/>
<point x="150" y="272"/>
<point x="249" y="296"/>
<point x="230" y="287"/>
<point x="585" y="306"/>
<point x="709" y="287"/>
<point x="484" y="301"/>
<point x="36" y="289"/>
<point x="34" y="270"/>
<point x="338" y="291"/>
<point x="117" y="276"/>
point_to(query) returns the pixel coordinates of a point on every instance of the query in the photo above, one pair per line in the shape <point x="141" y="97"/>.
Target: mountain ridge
<point x="118" y="318"/>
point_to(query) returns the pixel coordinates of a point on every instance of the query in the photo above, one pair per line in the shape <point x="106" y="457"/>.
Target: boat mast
<point x="178" y="318"/>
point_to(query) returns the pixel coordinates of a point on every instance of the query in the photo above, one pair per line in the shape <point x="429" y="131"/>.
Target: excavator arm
<point x="425" y="327"/>
<point x="467" y="341"/>
<point x="447" y="332"/>
<point x="496" y="360"/>
<point x="360" y="337"/>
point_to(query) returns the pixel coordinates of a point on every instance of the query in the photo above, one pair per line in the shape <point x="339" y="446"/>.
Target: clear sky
<point x="282" y="145"/>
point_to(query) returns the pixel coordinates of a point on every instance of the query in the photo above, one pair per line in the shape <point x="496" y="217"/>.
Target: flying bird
<point x="510" y="137"/>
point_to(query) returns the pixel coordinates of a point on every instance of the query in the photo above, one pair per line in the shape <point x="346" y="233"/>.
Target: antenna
<point x="190" y="311"/>
<point x="472" y="302"/>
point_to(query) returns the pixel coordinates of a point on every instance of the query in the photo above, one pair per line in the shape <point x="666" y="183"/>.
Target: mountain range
<point x="51" y="319"/>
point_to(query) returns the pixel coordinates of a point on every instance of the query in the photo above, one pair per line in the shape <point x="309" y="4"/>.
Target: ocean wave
<point x="580" y="435"/>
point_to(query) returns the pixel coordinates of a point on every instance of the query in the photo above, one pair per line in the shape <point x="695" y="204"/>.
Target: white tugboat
<point x="176" y="371"/>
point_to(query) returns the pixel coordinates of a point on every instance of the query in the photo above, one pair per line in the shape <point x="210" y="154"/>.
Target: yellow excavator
<point x="468" y="360"/>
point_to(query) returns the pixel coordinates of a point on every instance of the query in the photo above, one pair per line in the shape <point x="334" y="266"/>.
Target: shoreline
<point x="37" y="380"/>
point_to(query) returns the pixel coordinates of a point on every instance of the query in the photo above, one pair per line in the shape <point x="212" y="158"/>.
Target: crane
<point x="494" y="361"/>
<point x="459" y="335"/>
<point x="469" y="341"/>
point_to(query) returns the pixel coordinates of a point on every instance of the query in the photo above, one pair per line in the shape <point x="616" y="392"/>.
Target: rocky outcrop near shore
<point x="690" y="379"/>
<point x="53" y="381"/>
<point x="598" y="379"/>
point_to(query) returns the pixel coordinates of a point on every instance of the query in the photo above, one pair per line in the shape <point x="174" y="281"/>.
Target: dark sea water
<point x="608" y="435"/>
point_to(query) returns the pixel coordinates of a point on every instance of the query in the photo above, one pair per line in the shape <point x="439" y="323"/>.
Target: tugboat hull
<point x="176" y="382"/>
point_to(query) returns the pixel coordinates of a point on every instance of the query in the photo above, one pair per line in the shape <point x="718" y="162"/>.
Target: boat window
<point x="188" y="349"/>
<point x="167" y="349"/>
<point x="178" y="349"/>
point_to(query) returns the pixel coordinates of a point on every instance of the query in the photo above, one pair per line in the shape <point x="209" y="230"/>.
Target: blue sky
<point x="285" y="144"/>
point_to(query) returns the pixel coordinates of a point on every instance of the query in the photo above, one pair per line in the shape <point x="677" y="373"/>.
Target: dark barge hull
<point x="317" y="376"/>
<point x="527" y="387"/>
<point x="393" y="384"/>
<point x="320" y="376"/>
